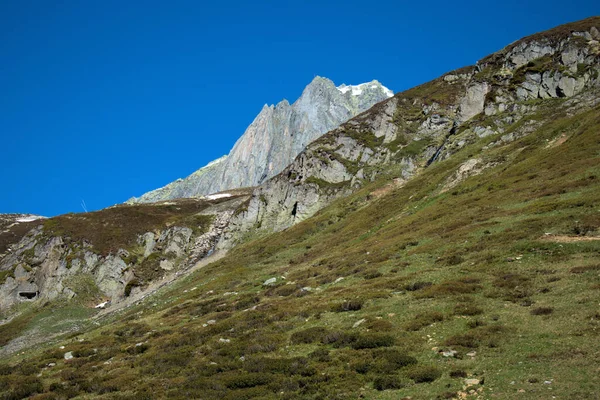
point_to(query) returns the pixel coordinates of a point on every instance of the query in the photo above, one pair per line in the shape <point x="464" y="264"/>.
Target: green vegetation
<point x="471" y="271"/>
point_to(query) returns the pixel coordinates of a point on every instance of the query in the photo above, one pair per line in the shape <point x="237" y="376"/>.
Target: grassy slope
<point x="470" y="269"/>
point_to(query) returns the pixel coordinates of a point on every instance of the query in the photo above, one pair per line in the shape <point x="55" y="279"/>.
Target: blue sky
<point x="106" y="100"/>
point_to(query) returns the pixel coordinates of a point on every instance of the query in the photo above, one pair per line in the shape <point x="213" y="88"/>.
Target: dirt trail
<point x="569" y="239"/>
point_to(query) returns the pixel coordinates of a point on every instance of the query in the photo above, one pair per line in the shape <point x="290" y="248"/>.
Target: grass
<point x="432" y="271"/>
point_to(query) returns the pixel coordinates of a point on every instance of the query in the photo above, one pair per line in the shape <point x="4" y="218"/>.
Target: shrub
<point x="321" y="355"/>
<point x="385" y="382"/>
<point x="450" y="288"/>
<point x="285" y="290"/>
<point x="310" y="335"/>
<point x="458" y="373"/>
<point x="348" y="305"/>
<point x="424" y="319"/>
<point x="467" y="340"/>
<point x="130" y="285"/>
<point x="475" y="323"/>
<point x="248" y="380"/>
<point x="340" y="338"/>
<point x="411" y="287"/>
<point x="26" y="387"/>
<point x="372" y="341"/>
<point x="467" y="309"/>
<point x="424" y="373"/>
<point x="362" y="366"/>
<point x="392" y="360"/>
<point x="584" y="269"/>
<point x="542" y="311"/>
<point x="379" y="325"/>
<point x="372" y="274"/>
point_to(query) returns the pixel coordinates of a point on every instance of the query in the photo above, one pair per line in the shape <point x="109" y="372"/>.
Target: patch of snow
<point x="103" y="305"/>
<point x="30" y="218"/>
<point x="357" y="90"/>
<point x="218" y="196"/>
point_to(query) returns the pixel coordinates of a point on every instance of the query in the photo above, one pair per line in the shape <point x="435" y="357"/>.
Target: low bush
<point x="379" y="325"/>
<point x="248" y="380"/>
<point x="348" y="305"/>
<point x="423" y="373"/>
<point x="390" y="360"/>
<point x="466" y="340"/>
<point x="387" y="382"/>
<point x="584" y="269"/>
<point x="424" y="319"/>
<point x="458" y="373"/>
<point x="542" y="311"/>
<point x="411" y="287"/>
<point x="310" y="335"/>
<point x="372" y="341"/>
<point x="467" y="309"/>
<point x="340" y="338"/>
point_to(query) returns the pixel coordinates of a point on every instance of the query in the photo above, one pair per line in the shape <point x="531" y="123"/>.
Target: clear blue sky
<point x="104" y="100"/>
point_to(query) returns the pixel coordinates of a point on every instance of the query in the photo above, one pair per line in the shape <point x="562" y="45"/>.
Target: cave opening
<point x="28" y="295"/>
<point x="295" y="209"/>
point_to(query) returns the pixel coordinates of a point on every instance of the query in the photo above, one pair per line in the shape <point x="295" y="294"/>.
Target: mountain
<point x="501" y="95"/>
<point x="275" y="137"/>
<point x="444" y="244"/>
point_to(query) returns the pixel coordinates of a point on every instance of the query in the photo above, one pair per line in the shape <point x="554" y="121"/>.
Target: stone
<point x="148" y="241"/>
<point x="68" y="355"/>
<point x="473" y="101"/>
<point x="358" y="323"/>
<point x="472" y="381"/>
<point x="167" y="265"/>
<point x="270" y="282"/>
<point x="449" y="353"/>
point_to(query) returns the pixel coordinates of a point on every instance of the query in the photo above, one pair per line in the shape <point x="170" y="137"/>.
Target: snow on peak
<point x="357" y="90"/>
<point x="29" y="218"/>
<point x="218" y="196"/>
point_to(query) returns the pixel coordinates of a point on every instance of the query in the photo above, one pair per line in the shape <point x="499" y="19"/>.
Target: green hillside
<point x="488" y="288"/>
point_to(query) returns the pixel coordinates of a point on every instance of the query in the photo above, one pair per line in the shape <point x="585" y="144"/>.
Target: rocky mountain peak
<point x="275" y="137"/>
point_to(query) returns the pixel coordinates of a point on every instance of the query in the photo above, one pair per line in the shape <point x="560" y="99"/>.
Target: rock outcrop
<point x="277" y="135"/>
<point x="429" y="123"/>
<point x="57" y="260"/>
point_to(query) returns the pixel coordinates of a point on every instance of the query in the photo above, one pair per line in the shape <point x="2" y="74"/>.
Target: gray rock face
<point x="44" y="267"/>
<point x="277" y="135"/>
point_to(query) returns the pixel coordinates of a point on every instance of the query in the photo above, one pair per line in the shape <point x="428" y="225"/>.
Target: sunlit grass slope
<point x="490" y="289"/>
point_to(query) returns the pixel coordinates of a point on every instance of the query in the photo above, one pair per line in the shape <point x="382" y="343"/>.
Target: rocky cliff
<point x="275" y="138"/>
<point x="109" y="254"/>
<point x="501" y="96"/>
